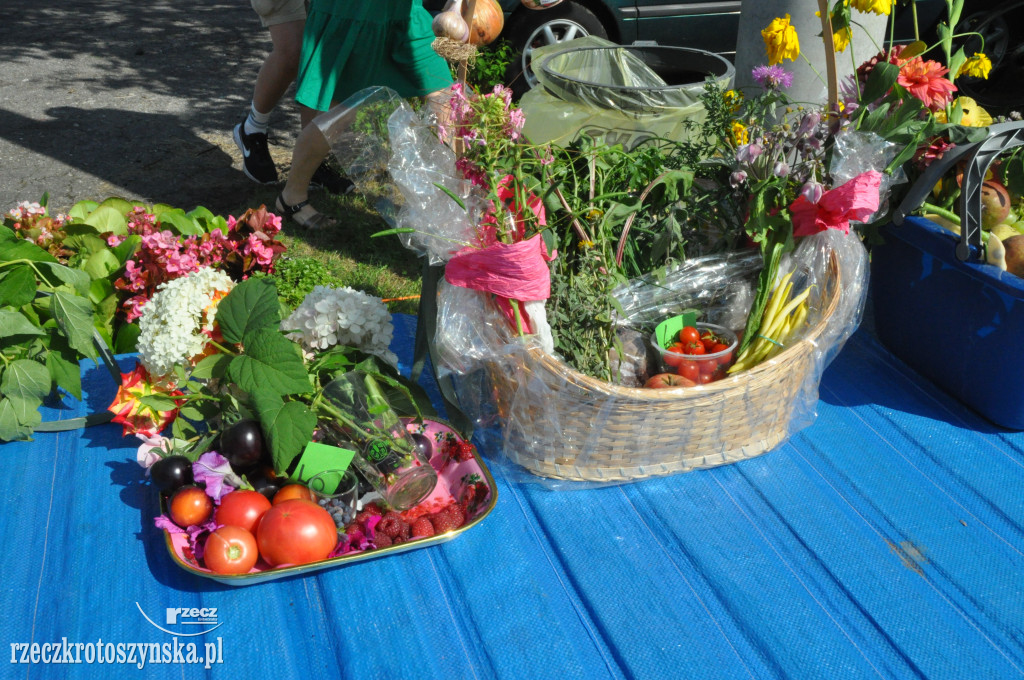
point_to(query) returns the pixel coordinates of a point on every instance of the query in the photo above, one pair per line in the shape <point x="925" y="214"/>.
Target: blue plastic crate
<point x="960" y="324"/>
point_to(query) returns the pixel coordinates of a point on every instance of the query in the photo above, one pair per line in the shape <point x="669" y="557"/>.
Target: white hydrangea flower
<point x="174" y="319"/>
<point x="342" y="316"/>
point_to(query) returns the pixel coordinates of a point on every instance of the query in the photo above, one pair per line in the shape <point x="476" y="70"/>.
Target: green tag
<point x="667" y="331"/>
<point x="317" y="458"/>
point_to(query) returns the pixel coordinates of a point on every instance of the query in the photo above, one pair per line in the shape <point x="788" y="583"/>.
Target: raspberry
<point x="382" y="540"/>
<point x="391" y="524"/>
<point x="458" y="514"/>
<point x="443" y="521"/>
<point x="397" y="541"/>
<point x="369" y="510"/>
<point x="464" y="451"/>
<point x="421" y="528"/>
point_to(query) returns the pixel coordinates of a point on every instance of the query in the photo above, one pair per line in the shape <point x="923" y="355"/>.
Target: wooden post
<point x="830" y="57"/>
<point x="470" y="12"/>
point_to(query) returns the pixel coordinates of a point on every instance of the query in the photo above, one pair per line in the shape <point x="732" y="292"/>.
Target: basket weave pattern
<point x="585" y="429"/>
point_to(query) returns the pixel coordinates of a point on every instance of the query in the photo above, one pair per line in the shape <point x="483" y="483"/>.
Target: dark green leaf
<point x="25" y="379"/>
<point x="127" y="248"/>
<point x="17" y="286"/>
<point x="881" y="80"/>
<point x="252" y="305"/>
<point x="177" y="221"/>
<point x="55" y="274"/>
<point x="1013" y="171"/>
<point x="74" y="315"/>
<point x="19" y="249"/>
<point x="271" y="363"/>
<point x="288" y="427"/>
<point x="64" y="369"/>
<point x="15" y="323"/>
<point x="11" y="427"/>
<point x="127" y="338"/>
<point x="212" y="366"/>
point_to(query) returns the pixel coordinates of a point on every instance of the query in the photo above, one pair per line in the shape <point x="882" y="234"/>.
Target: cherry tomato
<point x="241" y="508"/>
<point x="693" y="348"/>
<point x="689" y="370"/>
<point x="673" y="354"/>
<point x="707" y="366"/>
<point x="705" y="378"/>
<point x="190" y="506"/>
<point x="230" y="550"/>
<point x="718" y="347"/>
<point x="292" y="491"/>
<point x="296" y="531"/>
<point x="668" y="380"/>
<point x="689" y="334"/>
<point x="242" y="444"/>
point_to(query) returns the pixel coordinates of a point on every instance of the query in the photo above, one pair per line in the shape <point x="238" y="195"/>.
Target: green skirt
<point x="349" y="45"/>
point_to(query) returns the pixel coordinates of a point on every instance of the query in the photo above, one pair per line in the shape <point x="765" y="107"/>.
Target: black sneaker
<point x="329" y="179"/>
<point x="256" y="161"/>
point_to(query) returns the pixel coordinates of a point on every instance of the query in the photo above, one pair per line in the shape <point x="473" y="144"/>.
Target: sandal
<point x="314" y="222"/>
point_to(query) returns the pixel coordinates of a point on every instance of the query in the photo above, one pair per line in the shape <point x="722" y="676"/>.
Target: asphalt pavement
<point x="106" y="98"/>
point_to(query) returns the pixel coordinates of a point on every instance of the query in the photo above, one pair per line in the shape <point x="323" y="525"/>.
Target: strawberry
<point x="421" y="528"/>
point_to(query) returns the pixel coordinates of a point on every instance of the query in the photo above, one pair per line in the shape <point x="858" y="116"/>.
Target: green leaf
<point x="212" y="366"/>
<point x="287" y="426"/>
<point x="25" y="379"/>
<point x="159" y="402"/>
<point x="102" y="264"/>
<point x="127" y="247"/>
<point x="252" y="305"/>
<point x="881" y="80"/>
<point x="127" y="339"/>
<point x="17" y="286"/>
<point x="79" y="211"/>
<point x="14" y="323"/>
<point x="11" y="427"/>
<point x="74" y="315"/>
<point x="271" y="363"/>
<point x="108" y="219"/>
<point x="19" y="249"/>
<point x="64" y="371"/>
<point x="177" y="221"/>
<point x="200" y="213"/>
<point x="55" y="274"/>
<point x="119" y="204"/>
<point x="1013" y="171"/>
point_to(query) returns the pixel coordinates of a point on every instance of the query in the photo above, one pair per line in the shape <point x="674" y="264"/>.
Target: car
<point x="713" y="26"/>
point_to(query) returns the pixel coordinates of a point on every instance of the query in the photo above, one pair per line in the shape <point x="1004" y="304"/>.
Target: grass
<point x="380" y="266"/>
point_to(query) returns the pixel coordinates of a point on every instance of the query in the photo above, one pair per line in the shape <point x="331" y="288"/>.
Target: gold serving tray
<point x="451" y="475"/>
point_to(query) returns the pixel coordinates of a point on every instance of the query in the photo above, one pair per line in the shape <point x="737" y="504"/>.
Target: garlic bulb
<point x="450" y="24"/>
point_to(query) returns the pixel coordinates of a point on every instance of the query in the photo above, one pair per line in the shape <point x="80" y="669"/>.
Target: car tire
<point x="529" y="29"/>
<point x="1004" y="45"/>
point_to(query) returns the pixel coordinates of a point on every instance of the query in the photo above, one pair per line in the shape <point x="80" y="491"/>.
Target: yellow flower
<point x="841" y="39"/>
<point x="733" y="99"/>
<point x="974" y="115"/>
<point x="977" y="66"/>
<point x="740" y="135"/>
<point x="781" y="41"/>
<point x="876" y="6"/>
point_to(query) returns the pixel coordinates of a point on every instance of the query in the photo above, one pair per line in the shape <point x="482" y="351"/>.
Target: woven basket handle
<point x="979" y="155"/>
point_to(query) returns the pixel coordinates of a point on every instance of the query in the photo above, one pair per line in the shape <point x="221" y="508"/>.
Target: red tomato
<point x="230" y="550"/>
<point x="694" y="348"/>
<point x="296" y="531"/>
<point x="718" y="347"/>
<point x="707" y="366"/>
<point x="292" y="491"/>
<point x="242" y="508"/>
<point x="705" y="378"/>
<point x="673" y="354"/>
<point x="689" y="370"/>
<point x="689" y="334"/>
<point x="668" y="380"/>
<point x="190" y="506"/>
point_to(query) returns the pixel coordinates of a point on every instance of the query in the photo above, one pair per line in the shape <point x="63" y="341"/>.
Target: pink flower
<point x="150" y="450"/>
<point x="213" y="470"/>
<point x="855" y="200"/>
<point x="924" y="80"/>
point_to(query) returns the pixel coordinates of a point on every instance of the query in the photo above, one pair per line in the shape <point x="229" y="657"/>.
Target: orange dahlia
<point x="924" y="80"/>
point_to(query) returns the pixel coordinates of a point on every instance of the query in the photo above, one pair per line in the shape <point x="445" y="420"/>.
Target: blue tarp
<point x="884" y="541"/>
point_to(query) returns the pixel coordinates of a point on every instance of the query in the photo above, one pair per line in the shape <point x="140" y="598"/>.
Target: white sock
<point x="256" y="121"/>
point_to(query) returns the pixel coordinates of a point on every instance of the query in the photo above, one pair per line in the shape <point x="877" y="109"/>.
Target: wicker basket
<point x="590" y="430"/>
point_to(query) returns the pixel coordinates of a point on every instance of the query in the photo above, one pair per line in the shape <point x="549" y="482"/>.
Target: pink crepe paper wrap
<point x="854" y="200"/>
<point x="516" y="271"/>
